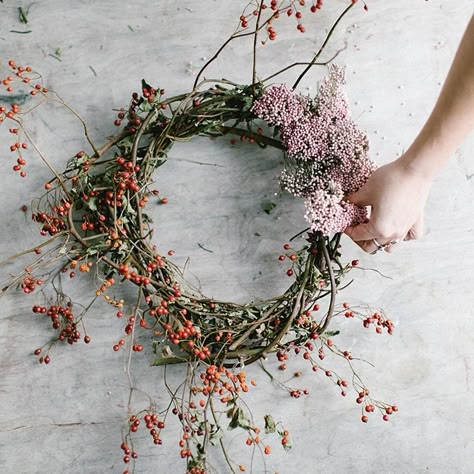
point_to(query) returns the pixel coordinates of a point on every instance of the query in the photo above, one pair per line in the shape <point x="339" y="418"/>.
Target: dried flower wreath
<point x="93" y="214"/>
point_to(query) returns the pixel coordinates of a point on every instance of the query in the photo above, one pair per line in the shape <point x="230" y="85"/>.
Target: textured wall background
<point x="67" y="417"/>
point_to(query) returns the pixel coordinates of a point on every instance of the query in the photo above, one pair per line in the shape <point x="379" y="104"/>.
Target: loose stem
<point x="332" y="280"/>
<point x="211" y="404"/>
<point x="255" y="39"/>
<point x="310" y="64"/>
<point x="316" y="57"/>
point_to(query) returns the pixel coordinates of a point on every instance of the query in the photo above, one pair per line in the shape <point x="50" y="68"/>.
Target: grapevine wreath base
<point x="93" y="217"/>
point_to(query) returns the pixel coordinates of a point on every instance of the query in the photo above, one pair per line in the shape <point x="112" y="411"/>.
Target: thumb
<point x="360" y="198"/>
<point x="360" y="232"/>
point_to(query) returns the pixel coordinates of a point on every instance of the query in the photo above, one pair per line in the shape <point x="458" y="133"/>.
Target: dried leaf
<point x="216" y="436"/>
<point x="239" y="419"/>
<point x="270" y="425"/>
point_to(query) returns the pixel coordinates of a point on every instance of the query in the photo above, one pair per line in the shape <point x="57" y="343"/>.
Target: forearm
<point x="453" y="115"/>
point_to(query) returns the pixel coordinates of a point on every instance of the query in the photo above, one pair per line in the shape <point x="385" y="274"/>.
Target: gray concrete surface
<point x="68" y="417"/>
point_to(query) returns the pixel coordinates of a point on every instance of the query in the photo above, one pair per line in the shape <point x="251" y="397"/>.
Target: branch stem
<point x="321" y="49"/>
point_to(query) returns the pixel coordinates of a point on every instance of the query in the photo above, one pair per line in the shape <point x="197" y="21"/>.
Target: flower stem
<point x="332" y="280"/>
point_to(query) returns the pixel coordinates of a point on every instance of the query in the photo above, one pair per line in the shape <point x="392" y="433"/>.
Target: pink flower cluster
<point x="326" y="152"/>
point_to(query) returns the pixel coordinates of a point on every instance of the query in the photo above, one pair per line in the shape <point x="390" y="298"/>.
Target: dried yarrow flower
<point x="327" y="154"/>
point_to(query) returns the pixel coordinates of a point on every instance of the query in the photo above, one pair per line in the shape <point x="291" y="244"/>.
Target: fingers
<point x="374" y="246"/>
<point x="416" y="231"/>
<point x="392" y="247"/>
<point x="367" y="238"/>
<point x="362" y="235"/>
<point x="367" y="246"/>
<point x="360" y="198"/>
<point x="361" y="232"/>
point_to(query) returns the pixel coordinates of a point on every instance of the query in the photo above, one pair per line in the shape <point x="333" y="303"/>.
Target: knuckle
<point x="384" y="233"/>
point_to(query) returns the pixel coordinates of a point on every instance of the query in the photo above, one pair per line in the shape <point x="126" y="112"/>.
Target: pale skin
<point x="397" y="192"/>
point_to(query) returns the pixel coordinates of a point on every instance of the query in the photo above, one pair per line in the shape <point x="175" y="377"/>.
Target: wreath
<point x="93" y="215"/>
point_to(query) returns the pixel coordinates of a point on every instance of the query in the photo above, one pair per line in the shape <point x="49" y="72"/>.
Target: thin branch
<point x="86" y="131"/>
<point x="311" y="64"/>
<point x="255" y="39"/>
<point x="224" y="45"/>
<point x="226" y="456"/>
<point x="321" y="49"/>
<point x="332" y="302"/>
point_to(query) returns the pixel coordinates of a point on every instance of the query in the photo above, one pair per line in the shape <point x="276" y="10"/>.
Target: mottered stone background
<point x="69" y="417"/>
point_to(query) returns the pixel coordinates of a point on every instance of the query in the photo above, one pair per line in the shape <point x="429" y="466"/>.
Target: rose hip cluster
<point x="375" y="319"/>
<point x="22" y="77"/>
<point x="29" y="283"/>
<point x="149" y="95"/>
<point x="63" y="320"/>
<point x="313" y="347"/>
<point x="152" y="423"/>
<point x="273" y="10"/>
<point x="268" y="12"/>
<point x="54" y="222"/>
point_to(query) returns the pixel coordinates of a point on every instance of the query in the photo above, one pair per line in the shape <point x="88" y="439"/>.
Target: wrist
<point x="419" y="164"/>
<point x="426" y="157"/>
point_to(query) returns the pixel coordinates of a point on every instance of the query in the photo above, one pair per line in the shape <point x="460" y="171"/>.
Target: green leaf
<point x="92" y="204"/>
<point x="247" y="105"/>
<point x="268" y="206"/>
<point x="91" y="251"/>
<point x="125" y="144"/>
<point x="23" y="14"/>
<point x="216" y="436"/>
<point x="239" y="419"/>
<point x="270" y="425"/>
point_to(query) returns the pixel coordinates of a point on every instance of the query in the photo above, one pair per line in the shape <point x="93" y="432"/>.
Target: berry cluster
<point x="369" y="406"/>
<point x="375" y="319"/>
<point x="149" y="96"/>
<point x="53" y="222"/>
<point x="64" y="321"/>
<point x="62" y="318"/>
<point x="128" y="454"/>
<point x="18" y="76"/>
<point x="288" y="8"/>
<point x="29" y="283"/>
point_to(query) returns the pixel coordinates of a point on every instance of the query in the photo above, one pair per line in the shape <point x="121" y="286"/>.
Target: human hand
<point x="396" y="193"/>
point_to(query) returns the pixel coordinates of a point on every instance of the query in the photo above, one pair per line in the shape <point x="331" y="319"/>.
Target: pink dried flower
<point x="328" y="213"/>
<point x="327" y="153"/>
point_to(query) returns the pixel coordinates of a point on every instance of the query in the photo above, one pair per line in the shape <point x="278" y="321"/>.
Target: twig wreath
<point x="93" y="216"/>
